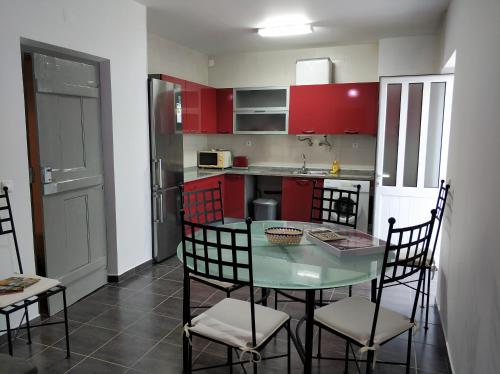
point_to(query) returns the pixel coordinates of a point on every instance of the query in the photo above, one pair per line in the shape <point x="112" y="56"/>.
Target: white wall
<point x="114" y="30"/>
<point x="408" y="55"/>
<point x="353" y="63"/>
<point x="469" y="279"/>
<point x="286" y="150"/>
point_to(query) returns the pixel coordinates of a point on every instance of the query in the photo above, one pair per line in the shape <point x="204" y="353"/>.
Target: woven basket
<point x="284" y="235"/>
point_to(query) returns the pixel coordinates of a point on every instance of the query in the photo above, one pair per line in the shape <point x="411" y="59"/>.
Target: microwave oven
<point x="215" y="159"/>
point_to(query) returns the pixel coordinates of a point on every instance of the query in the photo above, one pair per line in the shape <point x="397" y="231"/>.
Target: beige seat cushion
<point x="229" y="322"/>
<point x="353" y="317"/>
<point x="225" y="285"/>
<point x="44" y="284"/>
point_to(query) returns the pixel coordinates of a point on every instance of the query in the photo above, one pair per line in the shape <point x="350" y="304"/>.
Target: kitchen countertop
<point x="194" y="173"/>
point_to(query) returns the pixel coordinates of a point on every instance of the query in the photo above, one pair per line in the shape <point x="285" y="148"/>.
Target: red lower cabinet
<point x="296" y="198"/>
<point x="234" y="196"/>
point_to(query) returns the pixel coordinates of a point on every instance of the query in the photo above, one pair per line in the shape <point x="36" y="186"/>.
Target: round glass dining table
<point x="304" y="266"/>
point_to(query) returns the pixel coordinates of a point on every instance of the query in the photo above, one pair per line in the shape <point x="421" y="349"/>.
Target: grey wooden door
<point x="69" y="135"/>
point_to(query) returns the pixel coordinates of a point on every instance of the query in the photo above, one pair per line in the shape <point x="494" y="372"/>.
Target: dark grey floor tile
<point x="143" y="301"/>
<point x="164" y="287"/>
<point x="117" y="318"/>
<point x="163" y="359"/>
<point x="87" y="339"/>
<point x="124" y="349"/>
<point x="54" y="361"/>
<point x="172" y="261"/>
<point x="153" y="326"/>
<point x="110" y="295"/>
<point x="135" y="282"/>
<point x="156" y="271"/>
<point x="84" y="310"/>
<point x="93" y="366"/>
<point x="22" y="349"/>
<point x="176" y="274"/>
<point x="50" y="334"/>
<point x="171" y="307"/>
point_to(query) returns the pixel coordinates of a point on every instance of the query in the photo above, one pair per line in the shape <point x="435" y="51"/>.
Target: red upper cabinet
<point x="296" y="198"/>
<point x="200" y="109"/>
<point x="310" y="109"/>
<point x="224" y="110"/>
<point x="346" y="108"/>
<point x="355" y="107"/>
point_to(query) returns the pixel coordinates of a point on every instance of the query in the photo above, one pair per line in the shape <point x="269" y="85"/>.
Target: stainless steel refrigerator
<point x="165" y="121"/>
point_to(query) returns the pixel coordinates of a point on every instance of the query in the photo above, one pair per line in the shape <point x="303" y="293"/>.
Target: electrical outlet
<point x="249" y="143"/>
<point x="355" y="145"/>
<point x="9" y="184"/>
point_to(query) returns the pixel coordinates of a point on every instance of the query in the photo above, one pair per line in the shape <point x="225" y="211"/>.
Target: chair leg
<point x="350" y="291"/>
<point x="228" y="294"/>
<point x="408" y="353"/>
<point x="28" y="328"/>
<point x="275" y="300"/>
<point x="9" y="334"/>
<point x="190" y="357"/>
<point x="346" y="367"/>
<point x="319" y="332"/>
<point x="422" y="294"/>
<point x="255" y="368"/>
<point x="369" y="362"/>
<point x="428" y="298"/>
<point x="66" y="327"/>
<point x="288" y="358"/>
<point x="230" y="359"/>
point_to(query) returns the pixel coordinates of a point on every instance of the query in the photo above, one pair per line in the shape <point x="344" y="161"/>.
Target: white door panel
<point x="412" y="148"/>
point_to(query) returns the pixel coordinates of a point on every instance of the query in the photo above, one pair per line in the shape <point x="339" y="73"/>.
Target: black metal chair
<point x="430" y="267"/>
<point x="205" y="206"/>
<point x="333" y="206"/>
<point x="41" y="290"/>
<point x="225" y="254"/>
<point x="367" y="324"/>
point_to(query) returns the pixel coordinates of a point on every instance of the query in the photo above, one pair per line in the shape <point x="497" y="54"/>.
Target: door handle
<point x="159" y="208"/>
<point x="158" y="171"/>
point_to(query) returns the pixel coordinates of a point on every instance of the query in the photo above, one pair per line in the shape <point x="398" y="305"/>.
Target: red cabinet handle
<point x="302" y="182"/>
<point x="308" y="131"/>
<point x="351" y="131"/>
<point x="223" y="131"/>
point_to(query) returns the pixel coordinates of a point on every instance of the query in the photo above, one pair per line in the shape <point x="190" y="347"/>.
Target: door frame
<point x="405" y="81"/>
<point x="28" y="48"/>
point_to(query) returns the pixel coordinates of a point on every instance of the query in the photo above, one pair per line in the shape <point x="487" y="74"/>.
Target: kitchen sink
<point x="311" y="172"/>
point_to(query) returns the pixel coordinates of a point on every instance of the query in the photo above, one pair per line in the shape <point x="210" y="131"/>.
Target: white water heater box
<point x="314" y="71"/>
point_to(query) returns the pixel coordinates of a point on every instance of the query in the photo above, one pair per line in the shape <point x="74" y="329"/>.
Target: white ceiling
<point x="225" y="26"/>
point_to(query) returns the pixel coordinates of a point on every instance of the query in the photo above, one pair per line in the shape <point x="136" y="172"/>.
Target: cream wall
<point x="352" y="151"/>
<point x="167" y="57"/>
<point x="469" y="274"/>
<point x="353" y="63"/>
<point x="409" y="55"/>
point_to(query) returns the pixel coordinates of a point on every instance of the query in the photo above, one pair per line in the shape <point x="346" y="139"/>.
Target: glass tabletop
<point x="305" y="265"/>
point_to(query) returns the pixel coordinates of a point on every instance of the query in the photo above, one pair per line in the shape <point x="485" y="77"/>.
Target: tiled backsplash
<point x="352" y="151"/>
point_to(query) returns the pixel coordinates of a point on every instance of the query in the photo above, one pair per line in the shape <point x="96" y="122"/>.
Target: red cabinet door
<point x="225" y="110"/>
<point x="208" y="120"/>
<point x="296" y="198"/>
<point x="192" y="99"/>
<point x="355" y="107"/>
<point x="310" y="109"/>
<point x="234" y="196"/>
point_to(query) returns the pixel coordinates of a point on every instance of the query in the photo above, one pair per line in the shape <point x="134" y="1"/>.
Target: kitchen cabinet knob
<point x="351" y="131"/>
<point x="308" y="131"/>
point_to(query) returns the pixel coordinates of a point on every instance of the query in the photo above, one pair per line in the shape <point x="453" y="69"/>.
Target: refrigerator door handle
<point x="159" y="208"/>
<point x="159" y="172"/>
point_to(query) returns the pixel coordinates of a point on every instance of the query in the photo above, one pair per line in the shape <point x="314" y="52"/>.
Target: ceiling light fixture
<point x="285" y="30"/>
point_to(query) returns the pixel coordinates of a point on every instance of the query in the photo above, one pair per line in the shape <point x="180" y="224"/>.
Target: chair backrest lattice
<point x="204" y="205"/>
<point x="335" y="205"/>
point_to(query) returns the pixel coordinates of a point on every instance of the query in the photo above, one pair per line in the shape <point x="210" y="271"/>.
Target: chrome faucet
<point x="303" y="170"/>
<point x="326" y="142"/>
